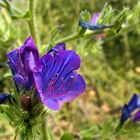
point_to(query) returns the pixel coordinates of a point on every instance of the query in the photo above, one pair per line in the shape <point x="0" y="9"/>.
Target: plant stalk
<point x="71" y="37"/>
<point x="44" y="129"/>
<point x="3" y="5"/>
<point x="32" y="22"/>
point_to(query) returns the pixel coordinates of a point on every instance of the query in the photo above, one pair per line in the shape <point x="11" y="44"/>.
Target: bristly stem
<point x="68" y="38"/>
<point x="71" y="37"/>
<point x="76" y="36"/>
<point x="32" y="22"/>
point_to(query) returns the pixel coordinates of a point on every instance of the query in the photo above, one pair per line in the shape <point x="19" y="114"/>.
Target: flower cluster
<point x="53" y="75"/>
<point x="128" y="109"/>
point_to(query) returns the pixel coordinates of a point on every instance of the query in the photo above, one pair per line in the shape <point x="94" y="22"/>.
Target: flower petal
<point x="78" y="88"/>
<point x="40" y="71"/>
<point x="133" y="103"/>
<point x="51" y="103"/>
<point x="137" y="116"/>
<point x="26" y="48"/>
<point x="94" y="18"/>
<point x="14" y="61"/>
<point x="65" y="62"/>
<point x="126" y="113"/>
<point x="19" y="79"/>
<point x="58" y="48"/>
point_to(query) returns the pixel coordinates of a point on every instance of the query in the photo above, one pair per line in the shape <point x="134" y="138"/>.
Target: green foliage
<point x="25" y="121"/>
<point x="67" y="136"/>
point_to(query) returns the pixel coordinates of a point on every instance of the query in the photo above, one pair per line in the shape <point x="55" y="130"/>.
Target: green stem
<point x="127" y="52"/>
<point x="71" y="37"/>
<point x="44" y="129"/>
<point x="76" y="36"/>
<point x="32" y="22"/>
<point x="21" y="137"/>
<point x="68" y="38"/>
<point x="3" y="5"/>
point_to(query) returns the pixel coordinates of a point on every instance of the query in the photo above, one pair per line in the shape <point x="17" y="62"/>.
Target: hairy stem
<point x="68" y="38"/>
<point x="32" y="22"/>
<point x="71" y="37"/>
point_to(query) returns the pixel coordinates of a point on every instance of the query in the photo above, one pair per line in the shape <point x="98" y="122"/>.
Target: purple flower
<point x="55" y="76"/>
<point x="19" y="64"/>
<point x="137" y="116"/>
<point x="129" y="108"/>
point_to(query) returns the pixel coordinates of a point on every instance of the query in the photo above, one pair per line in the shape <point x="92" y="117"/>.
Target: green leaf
<point x="17" y="14"/>
<point x="106" y="14"/>
<point x="84" y="16"/>
<point x="89" y="133"/>
<point x="120" y="18"/>
<point x="8" y="5"/>
<point x="134" y="15"/>
<point x="67" y="136"/>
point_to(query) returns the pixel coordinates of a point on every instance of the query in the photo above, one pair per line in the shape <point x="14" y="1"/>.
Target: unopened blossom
<point x="18" y="60"/>
<point x="93" y="23"/>
<point x="55" y="76"/>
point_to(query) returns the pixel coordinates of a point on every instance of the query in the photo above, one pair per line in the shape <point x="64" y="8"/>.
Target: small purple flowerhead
<point x="95" y="18"/>
<point x="129" y="108"/>
<point x="18" y="60"/>
<point x="56" y="79"/>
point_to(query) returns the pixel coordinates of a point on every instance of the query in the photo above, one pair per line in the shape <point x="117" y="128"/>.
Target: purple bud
<point x="95" y="18"/>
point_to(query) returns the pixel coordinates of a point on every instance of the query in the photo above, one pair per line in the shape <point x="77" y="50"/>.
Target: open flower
<point x="129" y="108"/>
<point x="19" y="64"/>
<point x="55" y="76"/>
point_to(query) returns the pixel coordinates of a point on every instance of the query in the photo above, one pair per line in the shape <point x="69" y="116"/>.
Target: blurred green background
<point x="111" y="67"/>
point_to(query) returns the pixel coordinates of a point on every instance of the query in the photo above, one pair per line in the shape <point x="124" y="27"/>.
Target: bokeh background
<point x="110" y="66"/>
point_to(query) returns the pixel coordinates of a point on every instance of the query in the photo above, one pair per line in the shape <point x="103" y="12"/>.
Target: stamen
<point x="67" y="90"/>
<point x="71" y="82"/>
<point x="51" y="86"/>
